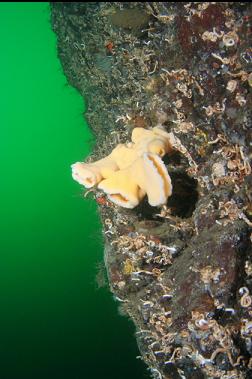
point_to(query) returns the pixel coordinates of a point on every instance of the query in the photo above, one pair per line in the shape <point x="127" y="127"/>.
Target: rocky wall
<point x="182" y="272"/>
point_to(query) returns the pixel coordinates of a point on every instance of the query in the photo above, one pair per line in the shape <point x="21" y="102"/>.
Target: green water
<point x="54" y="323"/>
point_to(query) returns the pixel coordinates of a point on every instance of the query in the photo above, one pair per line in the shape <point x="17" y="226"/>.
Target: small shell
<point x="209" y="36"/>
<point x="179" y="102"/>
<point x="246" y="301"/>
<point x="243" y="291"/>
<point x="231" y="86"/>
<point x="181" y="116"/>
<point x="240" y="99"/>
<point x="185" y="127"/>
<point x="121" y="284"/>
<point x="182" y="87"/>
<point x="209" y="110"/>
<point x="248" y="268"/>
<point x="246" y="330"/>
<point x="218" y="170"/>
<point x="250" y="79"/>
<point x="230" y="39"/>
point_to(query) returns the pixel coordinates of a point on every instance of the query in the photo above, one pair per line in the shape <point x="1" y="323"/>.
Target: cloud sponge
<point x="132" y="170"/>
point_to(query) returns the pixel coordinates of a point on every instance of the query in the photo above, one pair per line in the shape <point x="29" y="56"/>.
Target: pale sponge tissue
<point x="152" y="176"/>
<point x="132" y="170"/>
<point x="155" y="141"/>
<point x="122" y="188"/>
<point x="89" y="174"/>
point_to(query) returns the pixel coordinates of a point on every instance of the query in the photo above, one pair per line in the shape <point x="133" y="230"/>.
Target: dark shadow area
<point x="182" y="202"/>
<point x="184" y="195"/>
<point x="145" y="211"/>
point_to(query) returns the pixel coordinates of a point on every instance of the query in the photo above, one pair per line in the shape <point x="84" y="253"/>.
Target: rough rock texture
<point x="182" y="272"/>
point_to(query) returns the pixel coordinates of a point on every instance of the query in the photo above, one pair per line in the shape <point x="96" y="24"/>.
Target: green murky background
<point x="54" y="323"/>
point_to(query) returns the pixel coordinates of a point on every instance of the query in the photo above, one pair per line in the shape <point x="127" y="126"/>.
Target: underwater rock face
<point x="129" y="18"/>
<point x="184" y="270"/>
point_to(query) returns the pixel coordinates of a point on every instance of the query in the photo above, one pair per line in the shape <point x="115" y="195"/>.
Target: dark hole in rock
<point x="182" y="201"/>
<point x="175" y="159"/>
<point x="145" y="211"/>
<point x="184" y="194"/>
<point x="172" y="159"/>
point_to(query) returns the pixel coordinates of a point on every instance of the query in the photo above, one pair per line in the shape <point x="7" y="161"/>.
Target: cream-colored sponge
<point x="131" y="170"/>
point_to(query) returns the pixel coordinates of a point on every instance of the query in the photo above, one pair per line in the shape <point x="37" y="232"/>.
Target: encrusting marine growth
<point x="132" y="170"/>
<point x="182" y="273"/>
